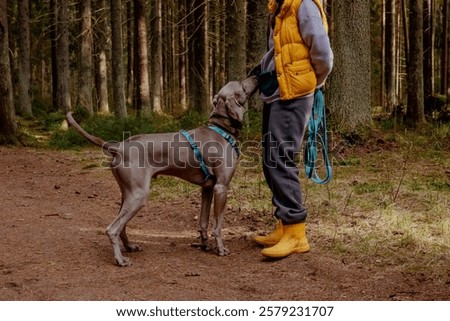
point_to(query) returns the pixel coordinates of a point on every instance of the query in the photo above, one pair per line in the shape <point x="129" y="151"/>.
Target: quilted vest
<point x="295" y="73"/>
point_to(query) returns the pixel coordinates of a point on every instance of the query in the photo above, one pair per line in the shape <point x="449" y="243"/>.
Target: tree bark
<point x="25" y="93"/>
<point x="117" y="64"/>
<point x="445" y="54"/>
<point x="54" y="64"/>
<point x="142" y="85"/>
<point x="256" y="40"/>
<point x="428" y="48"/>
<point x="101" y="48"/>
<point x="157" y="57"/>
<point x="182" y="56"/>
<point x="405" y="29"/>
<point x="8" y="125"/>
<point x="390" y="56"/>
<point x="197" y="60"/>
<point x="350" y="83"/>
<point x="85" y="80"/>
<point x="236" y="43"/>
<point x="63" y="99"/>
<point x="415" y="109"/>
<point x="129" y="92"/>
<point x="218" y="45"/>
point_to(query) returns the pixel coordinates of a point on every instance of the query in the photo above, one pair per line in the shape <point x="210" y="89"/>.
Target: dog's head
<point x="229" y="101"/>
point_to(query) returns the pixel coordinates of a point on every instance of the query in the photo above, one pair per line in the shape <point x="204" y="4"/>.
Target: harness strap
<point x="197" y="153"/>
<point x="317" y="123"/>
<point x="228" y="138"/>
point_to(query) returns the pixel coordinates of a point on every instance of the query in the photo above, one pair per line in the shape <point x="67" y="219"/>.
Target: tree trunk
<point x="218" y="45"/>
<point x="171" y="77"/>
<point x="157" y="57"/>
<point x="444" y="57"/>
<point x="428" y="48"/>
<point x="257" y="31"/>
<point x="101" y="48"/>
<point x="400" y="48"/>
<point x="8" y="125"/>
<point x="207" y="49"/>
<point x="130" y="61"/>
<point x="256" y="40"/>
<point x="415" y="109"/>
<point x="54" y="64"/>
<point x="85" y="81"/>
<point x="182" y="61"/>
<point x="117" y="64"/>
<point x="390" y="56"/>
<point x="350" y="84"/>
<point x="197" y="60"/>
<point x="63" y="99"/>
<point x="25" y="93"/>
<point x="236" y="44"/>
<point x="142" y="85"/>
<point x="405" y="29"/>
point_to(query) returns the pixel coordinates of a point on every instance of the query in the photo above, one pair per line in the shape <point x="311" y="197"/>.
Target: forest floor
<point x="56" y="206"/>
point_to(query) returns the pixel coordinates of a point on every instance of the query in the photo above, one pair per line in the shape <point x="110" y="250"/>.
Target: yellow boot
<point x="293" y="241"/>
<point x="273" y="238"/>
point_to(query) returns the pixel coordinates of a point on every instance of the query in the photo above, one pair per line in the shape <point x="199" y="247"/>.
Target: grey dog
<point x="137" y="159"/>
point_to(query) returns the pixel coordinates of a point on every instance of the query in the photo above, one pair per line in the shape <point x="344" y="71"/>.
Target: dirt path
<point x="53" y="247"/>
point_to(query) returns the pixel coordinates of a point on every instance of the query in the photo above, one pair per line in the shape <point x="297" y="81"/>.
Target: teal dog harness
<point x="198" y="153"/>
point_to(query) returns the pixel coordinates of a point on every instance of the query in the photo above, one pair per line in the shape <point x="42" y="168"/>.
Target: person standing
<point x="296" y="64"/>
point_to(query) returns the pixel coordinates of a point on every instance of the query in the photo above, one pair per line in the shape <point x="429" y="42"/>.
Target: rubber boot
<point x="273" y="238"/>
<point x="293" y="241"/>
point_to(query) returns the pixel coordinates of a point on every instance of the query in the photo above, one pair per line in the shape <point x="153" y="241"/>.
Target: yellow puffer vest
<point x="295" y="73"/>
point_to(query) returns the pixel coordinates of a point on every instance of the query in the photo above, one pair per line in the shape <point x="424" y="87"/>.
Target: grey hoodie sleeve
<point x="316" y="38"/>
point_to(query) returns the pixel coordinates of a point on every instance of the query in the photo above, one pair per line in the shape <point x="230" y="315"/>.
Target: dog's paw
<point x="202" y="246"/>
<point x="205" y="247"/>
<point x="123" y="261"/>
<point x="222" y="251"/>
<point x="133" y="248"/>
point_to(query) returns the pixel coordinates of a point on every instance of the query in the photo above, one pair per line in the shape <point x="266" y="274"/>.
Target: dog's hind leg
<point x="131" y="204"/>
<point x="126" y="243"/>
<point x="220" y="200"/>
<point x="207" y="195"/>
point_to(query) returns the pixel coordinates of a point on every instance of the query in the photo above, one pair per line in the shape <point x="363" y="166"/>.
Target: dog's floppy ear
<point x="218" y="106"/>
<point x="234" y="109"/>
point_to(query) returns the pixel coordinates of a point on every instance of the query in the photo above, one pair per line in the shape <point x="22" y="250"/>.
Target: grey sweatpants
<point x="284" y="124"/>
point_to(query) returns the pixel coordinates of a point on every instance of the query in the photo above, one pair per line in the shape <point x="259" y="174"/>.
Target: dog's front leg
<point x="220" y="200"/>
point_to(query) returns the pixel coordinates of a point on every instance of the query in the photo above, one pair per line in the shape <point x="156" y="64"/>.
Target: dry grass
<point x="388" y="204"/>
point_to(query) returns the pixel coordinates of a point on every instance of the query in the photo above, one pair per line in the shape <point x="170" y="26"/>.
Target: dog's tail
<point x="91" y="138"/>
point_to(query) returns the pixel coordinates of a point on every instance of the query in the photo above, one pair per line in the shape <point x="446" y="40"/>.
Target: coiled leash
<point x="317" y="130"/>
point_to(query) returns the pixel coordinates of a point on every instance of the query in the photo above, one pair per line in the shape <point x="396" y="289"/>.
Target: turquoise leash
<point x="317" y="130"/>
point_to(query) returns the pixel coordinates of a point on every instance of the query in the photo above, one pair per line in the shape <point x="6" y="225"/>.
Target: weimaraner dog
<point x="137" y="159"/>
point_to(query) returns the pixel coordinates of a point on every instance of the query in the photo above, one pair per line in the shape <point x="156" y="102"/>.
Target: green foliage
<point x="192" y="119"/>
<point x="112" y="129"/>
